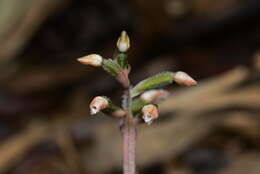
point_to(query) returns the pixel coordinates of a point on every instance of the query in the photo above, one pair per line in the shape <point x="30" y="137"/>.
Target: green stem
<point x="122" y="60"/>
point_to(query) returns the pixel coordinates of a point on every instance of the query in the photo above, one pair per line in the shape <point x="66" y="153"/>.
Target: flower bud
<point x="123" y="43"/>
<point x="98" y="104"/>
<point x="150" y="113"/>
<point x="154" y="95"/>
<point x="183" y="78"/>
<point x="92" y="59"/>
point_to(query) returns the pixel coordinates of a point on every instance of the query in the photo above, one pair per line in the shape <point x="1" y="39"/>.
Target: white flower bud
<point x="98" y="104"/>
<point x="150" y="113"/>
<point x="154" y="95"/>
<point x="123" y="43"/>
<point x="183" y="78"/>
<point x="92" y="59"/>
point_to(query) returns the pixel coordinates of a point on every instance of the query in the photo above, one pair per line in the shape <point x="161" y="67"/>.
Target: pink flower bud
<point x="150" y="113"/>
<point x="92" y="59"/>
<point x="154" y="95"/>
<point x="183" y="78"/>
<point x="98" y="104"/>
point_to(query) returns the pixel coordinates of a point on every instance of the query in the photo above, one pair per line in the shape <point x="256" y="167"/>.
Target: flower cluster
<point x="143" y="97"/>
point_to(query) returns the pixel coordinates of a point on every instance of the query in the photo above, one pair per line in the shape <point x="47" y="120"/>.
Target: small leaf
<point x="137" y="105"/>
<point x="153" y="96"/>
<point x="112" y="109"/>
<point x="110" y="67"/>
<point x="156" y="81"/>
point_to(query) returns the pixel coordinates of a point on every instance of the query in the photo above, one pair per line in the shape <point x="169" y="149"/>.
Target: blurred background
<point x="45" y="127"/>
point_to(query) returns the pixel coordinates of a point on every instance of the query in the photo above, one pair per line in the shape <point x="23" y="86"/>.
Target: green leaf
<point x="110" y="67"/>
<point x="156" y="81"/>
<point x="137" y="105"/>
<point x="111" y="109"/>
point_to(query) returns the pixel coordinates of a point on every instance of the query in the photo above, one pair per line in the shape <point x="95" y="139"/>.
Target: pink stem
<point x="129" y="149"/>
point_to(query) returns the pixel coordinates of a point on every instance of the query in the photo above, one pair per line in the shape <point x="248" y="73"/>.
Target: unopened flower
<point x="154" y="95"/>
<point x="123" y="43"/>
<point x="98" y="104"/>
<point x="150" y="113"/>
<point x="183" y="78"/>
<point x="92" y="59"/>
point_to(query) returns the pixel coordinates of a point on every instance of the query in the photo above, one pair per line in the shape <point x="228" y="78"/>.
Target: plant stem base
<point x="129" y="149"/>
